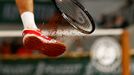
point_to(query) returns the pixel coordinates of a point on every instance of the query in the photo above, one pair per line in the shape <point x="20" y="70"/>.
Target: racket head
<point x="76" y="15"/>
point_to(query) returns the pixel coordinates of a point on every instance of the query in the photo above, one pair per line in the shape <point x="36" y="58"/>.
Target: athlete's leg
<point x="26" y="10"/>
<point x="33" y="38"/>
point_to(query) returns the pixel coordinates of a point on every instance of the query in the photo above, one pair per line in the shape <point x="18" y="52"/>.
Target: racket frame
<point x="84" y="10"/>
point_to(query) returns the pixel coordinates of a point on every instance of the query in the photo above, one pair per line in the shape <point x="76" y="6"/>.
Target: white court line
<point x="97" y="32"/>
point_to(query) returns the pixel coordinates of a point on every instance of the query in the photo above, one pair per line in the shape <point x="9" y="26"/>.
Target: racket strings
<point x="75" y="15"/>
<point x="84" y="24"/>
<point x="67" y="7"/>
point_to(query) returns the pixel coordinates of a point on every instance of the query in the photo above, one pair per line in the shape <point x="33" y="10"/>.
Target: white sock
<point x="28" y="20"/>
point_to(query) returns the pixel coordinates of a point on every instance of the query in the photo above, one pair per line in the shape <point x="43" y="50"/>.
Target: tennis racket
<point x="76" y="15"/>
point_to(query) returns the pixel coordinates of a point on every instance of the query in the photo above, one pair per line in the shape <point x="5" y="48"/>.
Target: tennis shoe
<point x="35" y="40"/>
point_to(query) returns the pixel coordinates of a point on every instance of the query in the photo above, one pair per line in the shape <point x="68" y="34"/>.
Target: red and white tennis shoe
<point x="35" y="40"/>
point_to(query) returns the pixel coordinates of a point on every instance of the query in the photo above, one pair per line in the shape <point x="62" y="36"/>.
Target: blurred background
<point x="108" y="51"/>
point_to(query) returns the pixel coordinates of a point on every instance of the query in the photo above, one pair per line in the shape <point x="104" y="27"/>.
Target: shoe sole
<point x="34" y="42"/>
